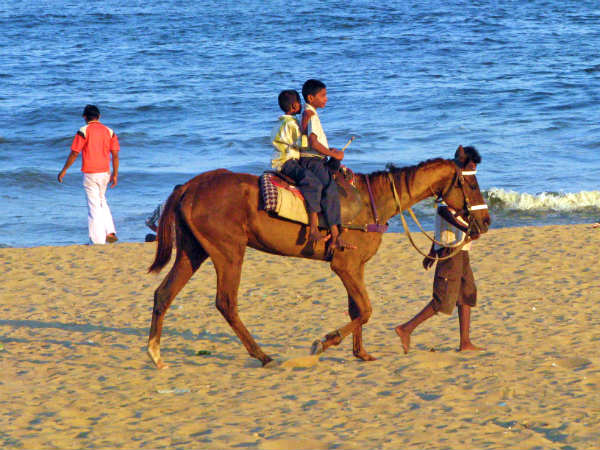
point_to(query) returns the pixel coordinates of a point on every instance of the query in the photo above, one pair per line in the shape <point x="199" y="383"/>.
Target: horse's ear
<point x="460" y="157"/>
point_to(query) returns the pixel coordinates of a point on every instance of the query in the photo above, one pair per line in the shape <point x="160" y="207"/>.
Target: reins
<point x="382" y="228"/>
<point x="457" y="248"/>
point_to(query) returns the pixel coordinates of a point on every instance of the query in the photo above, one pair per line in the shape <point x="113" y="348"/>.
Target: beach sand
<point x="75" y="373"/>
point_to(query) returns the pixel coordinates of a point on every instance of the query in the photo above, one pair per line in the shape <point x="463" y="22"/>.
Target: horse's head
<point x="464" y="196"/>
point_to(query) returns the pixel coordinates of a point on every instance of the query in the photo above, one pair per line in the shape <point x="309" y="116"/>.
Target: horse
<point x="217" y="214"/>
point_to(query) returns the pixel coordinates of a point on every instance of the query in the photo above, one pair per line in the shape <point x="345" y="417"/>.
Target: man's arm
<point x="115" y="173"/>
<point x="451" y="217"/>
<point x="68" y="163"/>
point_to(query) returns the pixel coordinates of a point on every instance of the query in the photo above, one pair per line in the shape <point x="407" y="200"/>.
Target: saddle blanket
<point x="282" y="198"/>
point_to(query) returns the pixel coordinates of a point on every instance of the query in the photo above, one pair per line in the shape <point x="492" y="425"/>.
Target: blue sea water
<point x="192" y="86"/>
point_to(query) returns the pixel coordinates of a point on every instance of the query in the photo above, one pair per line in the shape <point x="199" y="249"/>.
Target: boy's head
<point x="289" y="101"/>
<point x="315" y="93"/>
<point x="466" y="156"/>
<point x="91" y="112"/>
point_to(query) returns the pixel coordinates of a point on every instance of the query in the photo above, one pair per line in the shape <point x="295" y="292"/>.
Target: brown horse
<point x="217" y="214"/>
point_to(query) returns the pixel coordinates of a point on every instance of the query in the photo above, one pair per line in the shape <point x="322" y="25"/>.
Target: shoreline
<point x="75" y="325"/>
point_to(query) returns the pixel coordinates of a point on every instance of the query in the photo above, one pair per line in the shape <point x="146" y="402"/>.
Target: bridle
<point x="466" y="213"/>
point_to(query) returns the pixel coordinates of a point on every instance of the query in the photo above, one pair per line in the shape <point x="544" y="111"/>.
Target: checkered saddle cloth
<point x="282" y="198"/>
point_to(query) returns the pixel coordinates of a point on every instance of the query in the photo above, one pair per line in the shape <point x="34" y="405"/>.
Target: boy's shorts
<point x="454" y="283"/>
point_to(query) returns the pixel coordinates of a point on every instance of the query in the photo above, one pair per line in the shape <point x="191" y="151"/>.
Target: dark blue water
<point x="192" y="86"/>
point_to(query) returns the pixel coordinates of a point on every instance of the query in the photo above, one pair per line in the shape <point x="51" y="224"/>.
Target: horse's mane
<point x="407" y="173"/>
<point x="391" y="167"/>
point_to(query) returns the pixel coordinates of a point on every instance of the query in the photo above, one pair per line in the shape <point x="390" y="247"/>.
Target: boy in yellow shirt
<point x="287" y="140"/>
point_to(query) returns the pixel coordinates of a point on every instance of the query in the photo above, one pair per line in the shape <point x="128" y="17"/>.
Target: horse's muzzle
<point x="477" y="228"/>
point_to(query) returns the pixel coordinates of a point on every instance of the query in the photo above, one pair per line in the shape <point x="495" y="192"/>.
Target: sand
<point x="75" y="373"/>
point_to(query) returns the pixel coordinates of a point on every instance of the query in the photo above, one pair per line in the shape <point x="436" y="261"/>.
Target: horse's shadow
<point x="86" y="328"/>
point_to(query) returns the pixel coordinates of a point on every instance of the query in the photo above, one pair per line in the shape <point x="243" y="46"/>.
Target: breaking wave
<point x="506" y="200"/>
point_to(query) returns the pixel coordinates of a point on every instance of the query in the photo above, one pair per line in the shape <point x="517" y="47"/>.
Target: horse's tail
<point x="164" y="235"/>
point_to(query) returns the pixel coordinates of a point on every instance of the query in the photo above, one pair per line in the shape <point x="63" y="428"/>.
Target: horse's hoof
<point x="156" y="359"/>
<point x="316" y="348"/>
<point x="273" y="364"/>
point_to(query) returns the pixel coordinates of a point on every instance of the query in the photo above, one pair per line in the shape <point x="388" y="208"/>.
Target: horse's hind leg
<point x="186" y="263"/>
<point x="229" y="271"/>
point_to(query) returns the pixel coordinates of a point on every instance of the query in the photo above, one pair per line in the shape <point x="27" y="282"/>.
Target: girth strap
<point x="373" y="207"/>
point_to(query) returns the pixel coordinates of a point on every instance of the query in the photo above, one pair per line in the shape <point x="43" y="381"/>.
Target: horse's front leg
<point x="359" y="309"/>
<point x="357" y="344"/>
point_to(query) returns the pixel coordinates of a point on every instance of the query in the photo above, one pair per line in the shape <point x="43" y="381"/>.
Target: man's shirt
<point x="95" y="142"/>
<point x="448" y="234"/>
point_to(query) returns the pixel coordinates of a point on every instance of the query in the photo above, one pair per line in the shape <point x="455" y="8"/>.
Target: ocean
<point x="192" y="86"/>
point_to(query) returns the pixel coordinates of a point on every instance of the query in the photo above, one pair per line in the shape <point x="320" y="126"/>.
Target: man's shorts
<point x="454" y="283"/>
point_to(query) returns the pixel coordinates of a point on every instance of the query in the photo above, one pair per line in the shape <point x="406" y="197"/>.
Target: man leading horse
<point x="453" y="283"/>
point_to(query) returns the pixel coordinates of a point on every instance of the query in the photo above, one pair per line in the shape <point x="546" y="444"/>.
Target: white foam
<point x="548" y="201"/>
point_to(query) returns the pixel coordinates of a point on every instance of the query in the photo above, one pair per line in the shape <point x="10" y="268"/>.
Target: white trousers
<point x="100" y="221"/>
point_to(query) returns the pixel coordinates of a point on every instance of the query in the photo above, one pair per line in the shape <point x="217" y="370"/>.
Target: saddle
<point x="282" y="198"/>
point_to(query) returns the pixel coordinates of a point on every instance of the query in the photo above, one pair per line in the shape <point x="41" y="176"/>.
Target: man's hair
<point x="287" y="98"/>
<point x="465" y="155"/>
<point x="473" y="154"/>
<point x="312" y="87"/>
<point x="91" y="112"/>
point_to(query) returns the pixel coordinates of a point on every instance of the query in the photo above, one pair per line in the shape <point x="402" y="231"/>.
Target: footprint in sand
<point x="574" y="362"/>
<point x="294" y="362"/>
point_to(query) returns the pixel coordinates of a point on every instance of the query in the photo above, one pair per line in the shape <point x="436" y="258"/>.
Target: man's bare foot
<point x="469" y="347"/>
<point x="404" y="338"/>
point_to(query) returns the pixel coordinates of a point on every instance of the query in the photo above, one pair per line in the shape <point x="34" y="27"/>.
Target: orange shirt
<point x="95" y="141"/>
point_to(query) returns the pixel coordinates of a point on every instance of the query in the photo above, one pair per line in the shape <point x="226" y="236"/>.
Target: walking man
<point x="454" y="283"/>
<point x="96" y="143"/>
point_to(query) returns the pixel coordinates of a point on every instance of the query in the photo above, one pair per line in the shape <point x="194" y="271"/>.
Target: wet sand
<point x="75" y="373"/>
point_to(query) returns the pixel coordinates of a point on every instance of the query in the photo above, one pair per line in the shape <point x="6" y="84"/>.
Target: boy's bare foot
<point x="112" y="237"/>
<point x="341" y="244"/>
<point x="337" y="243"/>
<point x="469" y="347"/>
<point x="315" y="236"/>
<point x="404" y="338"/>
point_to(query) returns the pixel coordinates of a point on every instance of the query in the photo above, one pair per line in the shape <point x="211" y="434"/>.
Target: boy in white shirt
<point x="324" y="197"/>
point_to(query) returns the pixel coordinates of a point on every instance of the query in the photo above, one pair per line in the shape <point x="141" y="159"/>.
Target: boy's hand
<point x="61" y="176"/>
<point x="305" y="118"/>
<point x="337" y="154"/>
